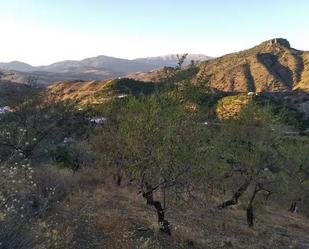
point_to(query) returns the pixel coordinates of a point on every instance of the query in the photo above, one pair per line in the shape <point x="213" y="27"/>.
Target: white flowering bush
<point x="16" y="143"/>
<point x="16" y="173"/>
<point x="16" y="180"/>
<point x="20" y="202"/>
<point x="29" y="200"/>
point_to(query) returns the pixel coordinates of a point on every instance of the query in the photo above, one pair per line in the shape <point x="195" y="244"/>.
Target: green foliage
<point x="66" y="157"/>
<point x="151" y="135"/>
<point x="244" y="149"/>
<point x="283" y="109"/>
<point x="295" y="157"/>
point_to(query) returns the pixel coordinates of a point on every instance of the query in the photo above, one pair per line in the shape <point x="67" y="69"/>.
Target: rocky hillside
<point x="271" y="66"/>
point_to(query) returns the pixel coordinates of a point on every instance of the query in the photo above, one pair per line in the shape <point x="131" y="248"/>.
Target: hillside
<point x="182" y="168"/>
<point x="12" y="93"/>
<point x="152" y="76"/>
<point x="86" y="180"/>
<point x="95" y="92"/>
<point x="272" y="66"/>
<point x="45" y="78"/>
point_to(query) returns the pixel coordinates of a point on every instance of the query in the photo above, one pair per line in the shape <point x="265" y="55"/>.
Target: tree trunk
<point x="250" y="214"/>
<point x="293" y="207"/>
<point x="237" y="194"/>
<point x="163" y="223"/>
<point x="163" y="191"/>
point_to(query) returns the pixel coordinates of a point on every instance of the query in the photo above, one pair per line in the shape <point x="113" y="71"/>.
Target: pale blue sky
<point x="44" y="31"/>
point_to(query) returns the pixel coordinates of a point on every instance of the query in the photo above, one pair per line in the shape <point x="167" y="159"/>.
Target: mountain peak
<point x="277" y="42"/>
<point x="271" y="66"/>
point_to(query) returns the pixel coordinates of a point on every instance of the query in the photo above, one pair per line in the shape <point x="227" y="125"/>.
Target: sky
<point x="41" y="32"/>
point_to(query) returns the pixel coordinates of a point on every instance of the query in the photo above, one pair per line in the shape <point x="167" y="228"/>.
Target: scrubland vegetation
<point x="165" y="169"/>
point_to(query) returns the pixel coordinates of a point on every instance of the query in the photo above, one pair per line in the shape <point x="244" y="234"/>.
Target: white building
<point x="98" y="120"/>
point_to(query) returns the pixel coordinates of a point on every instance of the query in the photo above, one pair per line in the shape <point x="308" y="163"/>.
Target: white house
<point x="97" y="120"/>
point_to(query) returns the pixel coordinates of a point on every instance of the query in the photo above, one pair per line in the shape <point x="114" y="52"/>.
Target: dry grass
<point x="93" y="213"/>
<point x="112" y="217"/>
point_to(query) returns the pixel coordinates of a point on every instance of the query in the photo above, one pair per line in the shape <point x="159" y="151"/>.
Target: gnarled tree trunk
<point x="250" y="215"/>
<point x="236" y="195"/>
<point x="163" y="223"/>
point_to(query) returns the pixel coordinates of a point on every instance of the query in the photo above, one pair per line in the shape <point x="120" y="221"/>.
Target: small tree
<point x="245" y="156"/>
<point x="181" y="59"/>
<point x="295" y="155"/>
<point x="158" y="140"/>
<point x="108" y="143"/>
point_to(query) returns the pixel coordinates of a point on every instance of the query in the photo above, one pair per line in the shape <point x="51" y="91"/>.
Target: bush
<point x="72" y="156"/>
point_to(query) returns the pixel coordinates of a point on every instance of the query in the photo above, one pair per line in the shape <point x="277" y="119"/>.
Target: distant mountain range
<point x="95" y="68"/>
